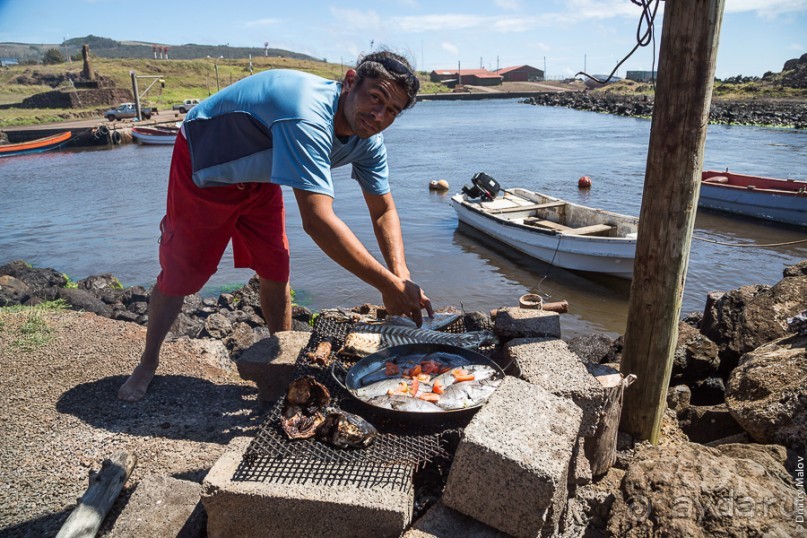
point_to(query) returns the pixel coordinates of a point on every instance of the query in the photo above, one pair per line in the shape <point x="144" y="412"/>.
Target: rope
<point x="642" y="40"/>
<point x="749" y="244"/>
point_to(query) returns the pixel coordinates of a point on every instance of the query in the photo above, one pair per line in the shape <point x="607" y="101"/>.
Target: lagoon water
<point x="97" y="211"/>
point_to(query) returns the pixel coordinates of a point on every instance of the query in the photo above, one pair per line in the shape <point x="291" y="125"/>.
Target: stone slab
<point x="516" y="322"/>
<point x="511" y="467"/>
<point x="270" y="363"/>
<point x="550" y="364"/>
<point x="162" y="506"/>
<point x="441" y="521"/>
<point x="292" y="509"/>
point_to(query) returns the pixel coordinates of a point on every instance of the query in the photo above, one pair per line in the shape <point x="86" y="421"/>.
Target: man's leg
<point x="163" y="310"/>
<point x="276" y="305"/>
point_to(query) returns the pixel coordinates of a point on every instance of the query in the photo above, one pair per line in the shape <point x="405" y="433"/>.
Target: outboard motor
<point x="482" y="186"/>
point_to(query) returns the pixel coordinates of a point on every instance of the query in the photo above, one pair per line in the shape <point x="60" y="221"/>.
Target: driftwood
<point x="104" y="488"/>
<point x="601" y="449"/>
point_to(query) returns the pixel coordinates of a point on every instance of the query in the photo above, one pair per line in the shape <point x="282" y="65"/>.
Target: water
<point x="97" y="211"/>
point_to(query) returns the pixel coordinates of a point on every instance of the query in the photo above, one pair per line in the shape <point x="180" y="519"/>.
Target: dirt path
<point x="59" y="415"/>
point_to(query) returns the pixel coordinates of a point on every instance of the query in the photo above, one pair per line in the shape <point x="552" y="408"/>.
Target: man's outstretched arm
<point x="332" y="235"/>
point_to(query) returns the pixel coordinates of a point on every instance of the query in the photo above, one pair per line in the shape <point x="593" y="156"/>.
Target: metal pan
<point x="377" y="360"/>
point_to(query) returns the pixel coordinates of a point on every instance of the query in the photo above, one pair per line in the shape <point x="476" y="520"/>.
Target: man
<point x="237" y="147"/>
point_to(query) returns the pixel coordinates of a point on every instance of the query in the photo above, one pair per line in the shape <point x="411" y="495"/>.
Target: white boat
<point x="777" y="200"/>
<point x="557" y="232"/>
<point x="155" y="135"/>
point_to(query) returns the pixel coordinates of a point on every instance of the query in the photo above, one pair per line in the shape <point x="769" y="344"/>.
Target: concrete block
<point x="550" y="364"/>
<point x="162" y="506"/>
<point x="511" y="467"/>
<point x="270" y="363"/>
<point x="516" y="322"/>
<point x="580" y="469"/>
<point x="290" y="509"/>
<point x="441" y="521"/>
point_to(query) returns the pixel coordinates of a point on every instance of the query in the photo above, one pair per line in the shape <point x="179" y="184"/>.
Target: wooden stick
<point x="687" y="60"/>
<point x="104" y="488"/>
<point x="601" y="449"/>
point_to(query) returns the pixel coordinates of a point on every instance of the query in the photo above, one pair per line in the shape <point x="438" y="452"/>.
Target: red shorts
<point x="199" y="222"/>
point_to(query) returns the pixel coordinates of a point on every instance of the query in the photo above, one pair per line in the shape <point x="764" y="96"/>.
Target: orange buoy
<point x="584" y="183"/>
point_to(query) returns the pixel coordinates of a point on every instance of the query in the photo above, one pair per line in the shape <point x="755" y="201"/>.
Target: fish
<point x="366" y="339"/>
<point x="344" y="430"/>
<point x="439" y="321"/>
<point x="480" y="372"/>
<point x="466" y="394"/>
<point x="378" y="388"/>
<point x="405" y="403"/>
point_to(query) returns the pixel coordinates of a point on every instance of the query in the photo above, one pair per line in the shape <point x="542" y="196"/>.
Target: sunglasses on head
<point x="394" y="66"/>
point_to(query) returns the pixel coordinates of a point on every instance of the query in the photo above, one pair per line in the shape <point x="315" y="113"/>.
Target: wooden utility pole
<point x="672" y="183"/>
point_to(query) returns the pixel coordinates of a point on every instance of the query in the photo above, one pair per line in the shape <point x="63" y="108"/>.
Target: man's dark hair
<point x="389" y="66"/>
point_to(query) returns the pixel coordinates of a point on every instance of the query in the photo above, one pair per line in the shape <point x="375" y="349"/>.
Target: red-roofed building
<point x="521" y="73"/>
<point x="473" y="77"/>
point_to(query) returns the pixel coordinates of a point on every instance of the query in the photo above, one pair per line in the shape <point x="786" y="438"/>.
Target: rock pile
<point x="763" y="113"/>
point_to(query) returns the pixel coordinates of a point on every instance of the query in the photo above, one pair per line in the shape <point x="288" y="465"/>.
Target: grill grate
<point x="398" y="451"/>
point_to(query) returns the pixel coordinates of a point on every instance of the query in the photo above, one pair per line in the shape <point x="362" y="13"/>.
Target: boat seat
<point x="594" y="229"/>
<point x="717" y="179"/>
<point x="548" y="224"/>
<point x="529" y="207"/>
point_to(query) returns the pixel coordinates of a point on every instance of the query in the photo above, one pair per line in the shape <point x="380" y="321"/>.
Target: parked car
<point x="128" y="110"/>
<point x="186" y="105"/>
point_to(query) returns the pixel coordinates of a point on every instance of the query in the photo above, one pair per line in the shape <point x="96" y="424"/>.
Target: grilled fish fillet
<point x="366" y="339"/>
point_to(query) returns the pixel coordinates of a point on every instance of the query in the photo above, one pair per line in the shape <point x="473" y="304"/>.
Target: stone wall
<point x="103" y="97"/>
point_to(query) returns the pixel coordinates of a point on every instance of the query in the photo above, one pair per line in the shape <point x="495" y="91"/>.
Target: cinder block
<point x="441" y="521"/>
<point x="240" y="509"/>
<point x="162" y="506"/>
<point x="580" y="468"/>
<point x="270" y="363"/>
<point x="511" y="467"/>
<point x="549" y="363"/>
<point x="516" y="322"/>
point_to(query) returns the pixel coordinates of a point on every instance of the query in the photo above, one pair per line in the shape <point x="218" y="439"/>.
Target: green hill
<point x="103" y="47"/>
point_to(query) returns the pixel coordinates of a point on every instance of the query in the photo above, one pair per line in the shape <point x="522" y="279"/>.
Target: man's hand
<point x="405" y="298"/>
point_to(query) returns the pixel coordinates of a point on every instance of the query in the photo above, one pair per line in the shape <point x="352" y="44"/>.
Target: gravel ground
<point x="60" y="418"/>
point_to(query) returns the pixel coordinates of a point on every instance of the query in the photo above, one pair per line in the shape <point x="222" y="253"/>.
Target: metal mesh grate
<point x="398" y="451"/>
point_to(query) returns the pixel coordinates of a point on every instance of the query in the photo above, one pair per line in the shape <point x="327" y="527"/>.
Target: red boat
<point x="35" y="146"/>
<point x="777" y="200"/>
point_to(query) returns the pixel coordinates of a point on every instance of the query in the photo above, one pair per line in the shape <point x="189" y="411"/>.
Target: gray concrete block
<point x="580" y="469"/>
<point x="511" y="467"/>
<point x="549" y="363"/>
<point x="516" y="322"/>
<point x="291" y="509"/>
<point x="270" y="363"/>
<point x="441" y="521"/>
<point x="162" y="506"/>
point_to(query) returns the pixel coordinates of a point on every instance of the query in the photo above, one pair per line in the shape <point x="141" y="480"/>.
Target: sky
<point x="561" y="36"/>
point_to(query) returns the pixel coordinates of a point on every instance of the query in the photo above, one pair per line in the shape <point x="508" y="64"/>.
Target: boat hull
<point x="154" y="139"/>
<point x="742" y="197"/>
<point x="36" y="146"/>
<point x="611" y="256"/>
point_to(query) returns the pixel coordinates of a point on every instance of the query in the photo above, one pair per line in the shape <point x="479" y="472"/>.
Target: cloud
<point x="796" y="46"/>
<point x="262" y="22"/>
<point x="450" y="48"/>
<point x="447" y="22"/>
<point x="354" y="18"/>
<point x="766" y="8"/>
<point x="510" y="5"/>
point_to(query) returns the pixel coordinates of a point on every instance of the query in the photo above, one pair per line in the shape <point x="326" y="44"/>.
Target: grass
<point x="184" y="79"/>
<point x="34" y="332"/>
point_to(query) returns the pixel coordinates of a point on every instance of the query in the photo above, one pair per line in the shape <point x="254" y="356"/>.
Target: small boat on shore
<point x="776" y="200"/>
<point x="555" y="231"/>
<point x="35" y="146"/>
<point x="155" y="135"/>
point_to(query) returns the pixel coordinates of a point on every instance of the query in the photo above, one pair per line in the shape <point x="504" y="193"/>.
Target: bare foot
<point x="135" y="387"/>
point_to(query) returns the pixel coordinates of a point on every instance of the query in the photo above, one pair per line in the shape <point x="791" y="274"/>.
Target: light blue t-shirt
<point x="277" y="126"/>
